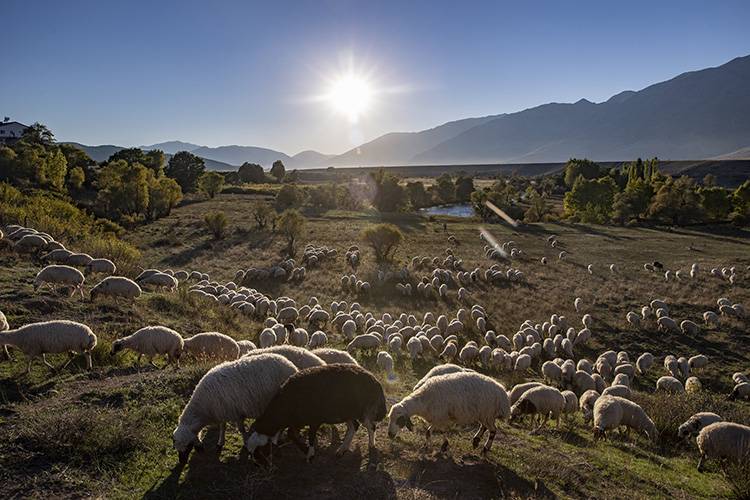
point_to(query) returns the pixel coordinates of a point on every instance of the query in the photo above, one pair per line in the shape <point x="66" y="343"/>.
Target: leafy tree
<point x="575" y="168"/>
<point x="292" y="176"/>
<point x="709" y="180"/>
<point x="741" y="203"/>
<point x="289" y="196"/>
<point x="186" y="169"/>
<point x="389" y="194"/>
<point x="323" y="196"/>
<point x="38" y="134"/>
<point x="538" y="207"/>
<point x="251" y="172"/>
<point x="290" y="224"/>
<point x="633" y="202"/>
<point x="464" y="187"/>
<point x="502" y="194"/>
<point x="418" y="197"/>
<point x="676" y="201"/>
<point x="716" y="202"/>
<point x="56" y="168"/>
<point x="384" y="239"/>
<point x="262" y="213"/>
<point x="590" y="200"/>
<point x="76" y="178"/>
<point x="154" y="160"/>
<point x="129" y="155"/>
<point x="211" y="183"/>
<point x="163" y="195"/>
<point x="77" y="157"/>
<point x="216" y="222"/>
<point x="123" y="189"/>
<point x="278" y="170"/>
<point x="445" y="189"/>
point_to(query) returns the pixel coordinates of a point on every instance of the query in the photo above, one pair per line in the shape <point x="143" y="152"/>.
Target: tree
<point x="262" y="213"/>
<point x="464" y="188"/>
<point x="418" y="197"/>
<point x="538" y="207"/>
<point x="251" y="172"/>
<point x="123" y="189"/>
<point x="575" y="168"/>
<point x="290" y="224"/>
<point x="129" y="155"/>
<point x="590" y="200"/>
<point x="154" y="160"/>
<point x="709" y="180"/>
<point x="216" y="222"/>
<point x="278" y="170"/>
<point x="633" y="202"/>
<point x="186" y="169"/>
<point x="384" y="239"/>
<point x="76" y="178"/>
<point x="38" y="134"/>
<point x="211" y="183"/>
<point x="741" y="203"/>
<point x="676" y="201"/>
<point x="289" y="196"/>
<point x="163" y="195"/>
<point x="322" y="196"/>
<point x="56" y="168"/>
<point x="445" y="189"/>
<point x="389" y="195"/>
<point x="716" y="202"/>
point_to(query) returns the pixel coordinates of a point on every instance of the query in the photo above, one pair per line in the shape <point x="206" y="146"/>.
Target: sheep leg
<point x="28" y="366"/>
<point x="7" y="354"/>
<point x="370" y="434"/>
<point x="444" y="446"/>
<point x="490" y="440"/>
<point x="347" y="439"/>
<point x="89" y="364"/>
<point x="222" y="435"/>
<point x="312" y="439"/>
<point x="427" y="437"/>
<point x="542" y="424"/>
<point x="151" y="362"/>
<point x="700" y="463"/>
<point x="478" y="436"/>
<point x="71" y="355"/>
<point x="241" y="428"/>
<point x="138" y="361"/>
<point x="44" y="359"/>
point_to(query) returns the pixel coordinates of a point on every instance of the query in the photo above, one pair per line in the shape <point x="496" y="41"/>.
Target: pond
<point x="455" y="210"/>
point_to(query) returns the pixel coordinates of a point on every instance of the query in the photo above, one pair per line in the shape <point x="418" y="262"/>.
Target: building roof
<point x="2" y="124"/>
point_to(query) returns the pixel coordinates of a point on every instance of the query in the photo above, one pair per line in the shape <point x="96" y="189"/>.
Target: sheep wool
<point x="611" y="412"/>
<point x="116" y="286"/>
<point x="230" y="392"/>
<point x="60" y="275"/>
<point x="300" y="357"/>
<point x="692" y="426"/>
<point x="152" y="341"/>
<point x="443" y="369"/>
<point x="333" y="356"/>
<point x="543" y="400"/>
<point x="212" y="345"/>
<point x="724" y="440"/>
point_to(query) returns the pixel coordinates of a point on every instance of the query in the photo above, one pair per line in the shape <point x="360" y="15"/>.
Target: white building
<point x="11" y="131"/>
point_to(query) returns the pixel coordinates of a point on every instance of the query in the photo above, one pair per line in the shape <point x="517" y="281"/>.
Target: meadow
<point x="107" y="433"/>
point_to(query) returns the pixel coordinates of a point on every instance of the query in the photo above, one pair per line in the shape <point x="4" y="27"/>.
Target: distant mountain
<point x="696" y="115"/>
<point x="310" y="159"/>
<point x="400" y="147"/>
<point x="172" y="147"/>
<point x="237" y="155"/>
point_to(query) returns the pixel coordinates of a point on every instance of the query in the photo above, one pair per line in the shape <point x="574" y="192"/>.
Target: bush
<point x="289" y="196"/>
<point x="262" y="213"/>
<point x="211" y="183"/>
<point x="384" y="239"/>
<point x="216" y="222"/>
<point x="290" y="224"/>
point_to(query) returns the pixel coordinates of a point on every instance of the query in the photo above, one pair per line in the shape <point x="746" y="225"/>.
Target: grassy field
<point x="108" y="433"/>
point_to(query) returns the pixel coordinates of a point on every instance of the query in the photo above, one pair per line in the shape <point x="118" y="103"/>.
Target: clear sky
<point x="242" y="72"/>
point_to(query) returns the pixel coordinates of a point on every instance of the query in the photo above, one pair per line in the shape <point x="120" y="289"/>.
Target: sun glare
<point x="351" y="96"/>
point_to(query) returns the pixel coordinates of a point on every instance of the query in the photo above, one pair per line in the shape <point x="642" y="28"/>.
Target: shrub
<point x="262" y="213"/>
<point x="211" y="183"/>
<point x="384" y="239"/>
<point x="216" y="222"/>
<point x="289" y="196"/>
<point x="290" y="224"/>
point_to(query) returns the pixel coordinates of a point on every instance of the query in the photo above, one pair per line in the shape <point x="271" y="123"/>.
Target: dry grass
<point x="116" y="424"/>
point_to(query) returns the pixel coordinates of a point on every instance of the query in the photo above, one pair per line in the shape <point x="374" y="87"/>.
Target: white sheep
<point x="152" y="341"/>
<point x="364" y="342"/>
<point x="116" y="286"/>
<point x="543" y="400"/>
<point x="644" y="363"/>
<point x="571" y="402"/>
<point x="299" y="356"/>
<point x="669" y="384"/>
<point x="385" y="363"/>
<point x="60" y="275"/>
<point x="246" y="346"/>
<point x="698" y="362"/>
<point x="711" y="318"/>
<point x="161" y="280"/>
<point x="693" y="385"/>
<point x="551" y="372"/>
<point x="318" y="339"/>
<point x="212" y="345"/>
<point x="692" y="426"/>
<point x="741" y="390"/>
<point x="103" y="266"/>
<point x="618" y="390"/>
<point x="586" y="404"/>
<point x="230" y="392"/>
<point x="578" y="303"/>
<point x="610" y="412"/>
<point x="51" y="337"/>
<point x="724" y="440"/>
<point x="333" y="356"/>
<point x="689" y="328"/>
<point x="633" y="319"/>
<point x="460" y="398"/>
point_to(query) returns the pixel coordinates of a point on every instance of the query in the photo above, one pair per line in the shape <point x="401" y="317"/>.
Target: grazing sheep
<point x="103" y="266"/>
<point x="692" y="426"/>
<point x="667" y="325"/>
<point x="328" y="394"/>
<point x="385" y="363"/>
<point x="697" y="362"/>
<point x="544" y="400"/>
<point x="116" y="286"/>
<point x="741" y="390"/>
<point x="633" y="319"/>
<point x="586" y="404"/>
<point x="300" y="357"/>
<point x="30" y="243"/>
<point x="571" y="402"/>
<point x="523" y="363"/>
<point x="230" y="392"/>
<point x="60" y="275"/>
<point x="365" y="342"/>
<point x="610" y="412"/>
<point x="246" y="346"/>
<point x="711" y="318"/>
<point x="152" y="341"/>
<point x="619" y="390"/>
<point x="582" y="382"/>
<point x="160" y="280"/>
<point x="644" y="363"/>
<point x="461" y="398"/>
<point x="693" y="385"/>
<point x="3" y="327"/>
<point x="669" y="384"/>
<point x="723" y="440"/>
<point x="414" y="346"/>
<point x="468" y="353"/>
<point x="334" y="356"/>
<point x="689" y="328"/>
<point x="578" y="303"/>
<point x="438" y="370"/>
<point x="212" y="345"/>
<point x="318" y="339"/>
<point x="50" y="337"/>
<point x="551" y="373"/>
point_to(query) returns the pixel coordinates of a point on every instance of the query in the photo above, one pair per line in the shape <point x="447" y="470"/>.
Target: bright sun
<point x="351" y="96"/>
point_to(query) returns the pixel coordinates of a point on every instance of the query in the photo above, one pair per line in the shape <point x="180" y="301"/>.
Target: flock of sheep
<point x="290" y="378"/>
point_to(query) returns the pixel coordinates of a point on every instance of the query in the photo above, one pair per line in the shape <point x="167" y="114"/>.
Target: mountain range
<point x="696" y="115"/>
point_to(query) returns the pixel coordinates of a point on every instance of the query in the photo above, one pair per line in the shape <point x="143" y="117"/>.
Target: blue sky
<point x="215" y="72"/>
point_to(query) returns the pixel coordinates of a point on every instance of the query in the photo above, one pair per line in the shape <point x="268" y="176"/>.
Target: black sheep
<point x="328" y="394"/>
